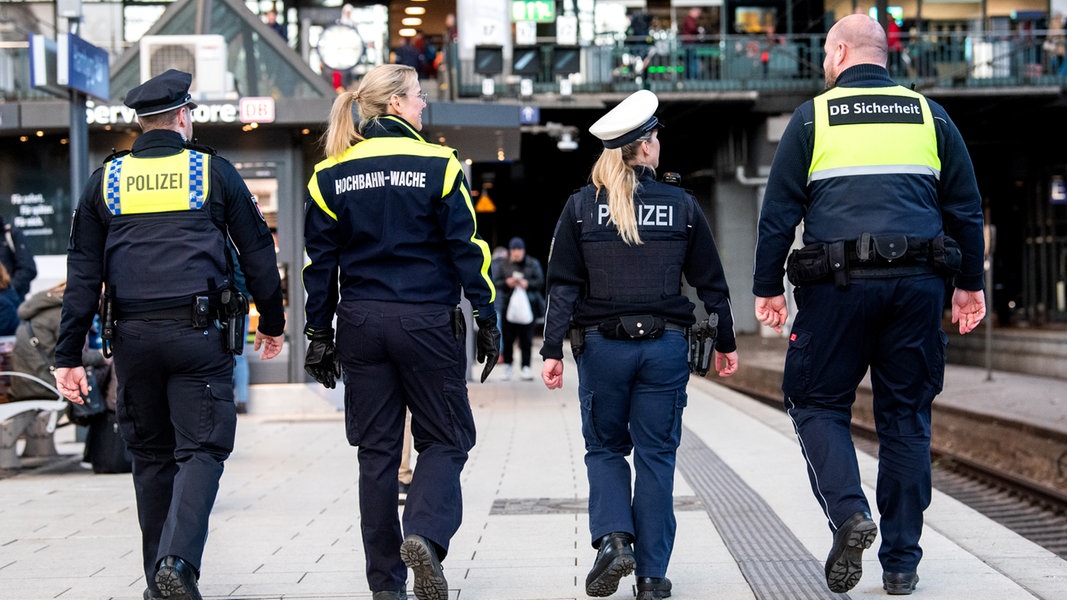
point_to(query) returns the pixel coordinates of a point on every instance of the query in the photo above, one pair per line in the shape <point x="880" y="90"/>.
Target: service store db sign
<point x="257" y="110"/>
<point x="247" y="110"/>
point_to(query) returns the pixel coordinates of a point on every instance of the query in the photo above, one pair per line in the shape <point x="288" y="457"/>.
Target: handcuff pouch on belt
<point x="702" y="344"/>
<point x="233" y="306"/>
<point x="632" y="327"/>
<point x="946" y="255"/>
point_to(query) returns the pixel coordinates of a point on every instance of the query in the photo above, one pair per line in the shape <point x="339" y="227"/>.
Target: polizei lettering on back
<point x="853" y="110"/>
<point x="155" y="181"/>
<point x="649" y="215"/>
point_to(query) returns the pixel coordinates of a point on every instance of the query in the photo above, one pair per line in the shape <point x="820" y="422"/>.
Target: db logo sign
<point x="257" y="110"/>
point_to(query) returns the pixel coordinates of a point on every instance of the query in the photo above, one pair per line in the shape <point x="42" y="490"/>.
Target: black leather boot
<point x="653" y="588"/>
<point x="614" y="560"/>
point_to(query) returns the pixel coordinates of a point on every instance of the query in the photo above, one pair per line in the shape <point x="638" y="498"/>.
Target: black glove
<point x="320" y="361"/>
<point x="488" y="345"/>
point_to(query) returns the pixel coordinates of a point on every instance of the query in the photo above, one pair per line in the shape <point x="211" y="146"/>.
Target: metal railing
<point x="791" y="63"/>
<point x="784" y="63"/>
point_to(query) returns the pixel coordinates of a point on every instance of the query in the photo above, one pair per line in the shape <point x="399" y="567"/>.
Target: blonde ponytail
<point x="614" y="174"/>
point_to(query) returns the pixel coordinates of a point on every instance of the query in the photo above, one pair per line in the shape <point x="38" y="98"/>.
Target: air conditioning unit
<point x="204" y="56"/>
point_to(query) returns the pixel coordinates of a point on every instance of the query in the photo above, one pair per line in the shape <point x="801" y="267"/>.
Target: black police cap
<point x="167" y="91"/>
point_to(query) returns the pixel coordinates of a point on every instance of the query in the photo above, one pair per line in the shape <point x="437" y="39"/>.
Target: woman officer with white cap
<point x="621" y="247"/>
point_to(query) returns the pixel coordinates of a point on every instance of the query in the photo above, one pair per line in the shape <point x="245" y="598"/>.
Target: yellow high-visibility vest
<point x="134" y="185"/>
<point x="873" y="131"/>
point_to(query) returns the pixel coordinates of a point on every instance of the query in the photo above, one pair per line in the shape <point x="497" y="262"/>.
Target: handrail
<point x="666" y="62"/>
<point x="10" y="409"/>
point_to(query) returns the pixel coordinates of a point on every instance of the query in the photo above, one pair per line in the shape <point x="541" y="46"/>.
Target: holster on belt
<point x="702" y="344"/>
<point x="577" y="336"/>
<point x="233" y="306"/>
<point x="107" y="324"/>
<point x="459" y="323"/>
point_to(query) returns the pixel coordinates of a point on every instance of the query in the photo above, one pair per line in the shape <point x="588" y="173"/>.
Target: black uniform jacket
<point x="392" y="220"/>
<point x="678" y="242"/>
<point x="790" y="199"/>
<point x="233" y="210"/>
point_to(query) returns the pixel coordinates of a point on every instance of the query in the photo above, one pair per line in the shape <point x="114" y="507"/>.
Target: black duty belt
<point x="667" y="326"/>
<point x="163" y="314"/>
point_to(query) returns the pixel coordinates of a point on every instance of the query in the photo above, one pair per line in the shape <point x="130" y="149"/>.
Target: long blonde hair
<point x="372" y="98"/>
<point x="614" y="174"/>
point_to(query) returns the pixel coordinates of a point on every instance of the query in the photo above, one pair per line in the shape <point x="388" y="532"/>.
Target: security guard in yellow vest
<point x="882" y="180"/>
<point x="153" y="226"/>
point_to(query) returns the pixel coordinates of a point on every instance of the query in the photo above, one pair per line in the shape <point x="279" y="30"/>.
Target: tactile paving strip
<point x="545" y="506"/>
<point x="774" y="562"/>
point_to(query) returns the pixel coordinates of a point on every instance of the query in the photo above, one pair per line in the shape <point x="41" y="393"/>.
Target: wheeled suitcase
<point x="106" y="450"/>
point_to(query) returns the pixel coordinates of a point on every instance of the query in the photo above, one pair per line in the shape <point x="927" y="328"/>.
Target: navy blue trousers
<point x="632" y="395"/>
<point x="175" y="410"/>
<point x="399" y="357"/>
<point x="893" y="327"/>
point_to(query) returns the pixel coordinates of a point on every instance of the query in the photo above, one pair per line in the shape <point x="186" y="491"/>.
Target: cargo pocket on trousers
<point x="586" y="399"/>
<point x="462" y="425"/>
<point x="797" y="372"/>
<point x="936" y="366"/>
<point x="673" y="433"/>
<point x="218" y="418"/>
<point x="430" y="343"/>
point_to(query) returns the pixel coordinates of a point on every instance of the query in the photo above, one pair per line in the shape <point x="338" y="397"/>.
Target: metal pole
<point x="79" y="146"/>
<point x="989" y="318"/>
<point x="990" y="248"/>
<point x="79" y="137"/>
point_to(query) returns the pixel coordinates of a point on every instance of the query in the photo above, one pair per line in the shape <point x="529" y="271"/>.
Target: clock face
<point x="340" y="47"/>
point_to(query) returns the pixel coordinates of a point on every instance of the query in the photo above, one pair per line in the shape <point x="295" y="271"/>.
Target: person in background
<point x="499" y="260"/>
<point x="407" y="54"/>
<point x="272" y="22"/>
<point x="405" y="472"/>
<point x="616" y="279"/>
<point x="691" y="32"/>
<point x="520" y="271"/>
<point x="894" y="37"/>
<point x="17" y="257"/>
<point x="870" y="289"/>
<point x="162" y="256"/>
<point x="9" y="304"/>
<point x="393" y="280"/>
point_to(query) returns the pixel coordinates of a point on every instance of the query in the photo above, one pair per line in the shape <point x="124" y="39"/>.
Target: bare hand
<point x="272" y="345"/>
<point x="726" y="363"/>
<point x="772" y="312"/>
<point x="552" y="373"/>
<point x="968" y="309"/>
<point x="71" y="382"/>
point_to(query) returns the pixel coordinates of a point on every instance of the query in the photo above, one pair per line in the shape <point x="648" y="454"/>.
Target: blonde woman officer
<point x="391" y="237"/>
<point x="620" y="250"/>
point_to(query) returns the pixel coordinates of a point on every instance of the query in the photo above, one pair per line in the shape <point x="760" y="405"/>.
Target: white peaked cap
<point x="630" y="120"/>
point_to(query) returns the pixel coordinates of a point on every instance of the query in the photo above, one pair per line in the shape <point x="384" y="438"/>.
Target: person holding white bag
<point x="519" y="283"/>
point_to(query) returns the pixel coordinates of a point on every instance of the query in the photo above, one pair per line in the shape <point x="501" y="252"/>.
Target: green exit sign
<point x="539" y="11"/>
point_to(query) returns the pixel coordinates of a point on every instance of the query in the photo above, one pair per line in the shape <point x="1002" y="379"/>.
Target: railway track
<point x="1032" y="512"/>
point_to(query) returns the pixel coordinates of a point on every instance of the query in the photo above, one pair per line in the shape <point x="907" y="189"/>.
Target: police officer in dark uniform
<point x="152" y="226"/>
<point x="620" y="250"/>
<point x="881" y="178"/>
<point x="391" y="235"/>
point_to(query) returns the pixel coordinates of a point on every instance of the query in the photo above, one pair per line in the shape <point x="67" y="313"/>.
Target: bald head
<point x="854" y="40"/>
